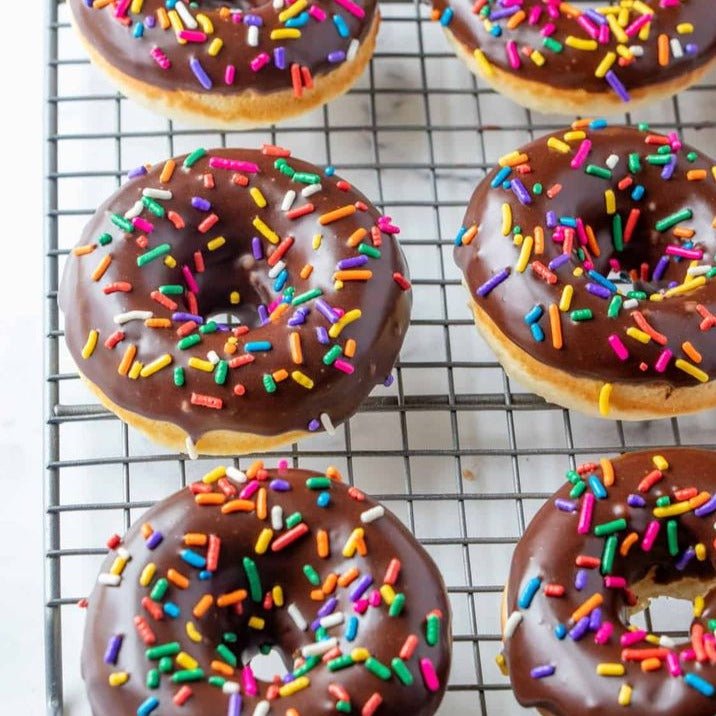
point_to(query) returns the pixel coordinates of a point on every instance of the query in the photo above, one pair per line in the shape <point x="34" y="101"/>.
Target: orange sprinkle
<point x="329" y="586"/>
<point x="261" y="504"/>
<point x="102" y="267"/>
<point x="237" y="506"/>
<point x="353" y="275"/>
<point x="652" y="664"/>
<point x="469" y="235"/>
<point x="167" y="171"/>
<point x="663" y="50"/>
<point x="592" y="241"/>
<point x="691" y="352"/>
<point x="158" y="323"/>
<point x="306" y="271"/>
<point x="347" y="577"/>
<point x="628" y="543"/>
<point x="210" y="498"/>
<point x="127" y="359"/>
<point x="253" y="469"/>
<point x="322" y="544"/>
<point x="334" y="473"/>
<point x="296" y="80"/>
<point x="307" y="77"/>
<point x="294" y="342"/>
<point x="202" y="606"/>
<point x="222" y="668"/>
<point x="280" y="375"/>
<point x="195" y="539"/>
<point x="278" y="312"/>
<point x="356" y="237"/>
<point x="517" y="19"/>
<point x="596" y="600"/>
<point x="177" y="579"/>
<point x="681" y="232"/>
<point x="645" y="326"/>
<point x="555" y="323"/>
<point x="84" y="250"/>
<point x="147" y="530"/>
<point x="539" y="240"/>
<point x="226" y="600"/>
<point x="696" y="174"/>
<point x="317" y="595"/>
<point x="350" y="348"/>
<point x="337" y="214"/>
<point x="607" y="472"/>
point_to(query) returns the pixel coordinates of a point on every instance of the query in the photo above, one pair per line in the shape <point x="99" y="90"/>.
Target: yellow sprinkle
<point x="686" y="287"/>
<point x="349" y="317"/>
<point x="177" y="25"/>
<point x="360" y="654"/>
<point x="257" y="196"/>
<point x="170" y="262"/>
<point x="186" y="661"/>
<point x="351" y="543"/>
<point x="619" y="33"/>
<point x="277" y="594"/>
<point x="285" y="33"/>
<point x="581" y="44"/>
<point x="215" y="47"/>
<point x="214" y="475"/>
<point x="506" y="219"/>
<point x="235" y="298"/>
<point x="604" y="66"/>
<point x="700" y="551"/>
<point x="263" y="541"/>
<point x="296" y="9"/>
<point x="625" y="52"/>
<point x="119" y="678"/>
<point x="660" y="462"/>
<point x="91" y="344"/>
<point x="136" y="6"/>
<point x="519" y="238"/>
<point x="388" y="594"/>
<point x="565" y="300"/>
<point x="638" y="335"/>
<point x="512" y="159"/>
<point x="316" y="242"/>
<point x="525" y="253"/>
<point x="259" y="225"/>
<point x="684" y="28"/>
<point x="118" y="565"/>
<point x="163" y="18"/>
<point x="559" y="145"/>
<point x="302" y="682"/>
<point x="216" y="243"/>
<point x="483" y="63"/>
<point x="199" y="364"/>
<point x="625" y="695"/>
<point x="302" y="379"/>
<point x="537" y="57"/>
<point x="145" y="578"/>
<point x="205" y="22"/>
<point x="502" y="664"/>
<point x="135" y="370"/>
<point x="610" y="202"/>
<point x="678" y="508"/>
<point x="156" y="365"/>
<point x="257" y="623"/>
<point x="692" y="370"/>
<point x="192" y="632"/>
<point x="575" y="135"/>
<point x="578" y="271"/>
<point x="699" y="606"/>
<point x="605" y="395"/>
<point x="606" y="669"/>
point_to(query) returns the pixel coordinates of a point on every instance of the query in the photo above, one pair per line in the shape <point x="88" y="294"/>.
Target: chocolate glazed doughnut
<point x="228" y="64"/>
<point x="589" y="257"/>
<point x="615" y="536"/>
<point x="309" y="269"/>
<point x="240" y="563"/>
<point x="572" y="59"/>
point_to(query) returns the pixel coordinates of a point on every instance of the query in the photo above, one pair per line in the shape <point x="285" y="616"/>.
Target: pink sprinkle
<point x="582" y="233"/>
<point x="430" y="678"/>
<point x="121" y="9"/>
<point x="261" y="60"/>
<point x="693" y="254"/>
<point x="361" y="606"/>
<point x="604" y="633"/>
<point x="617" y="345"/>
<point x="650" y="535"/>
<point x="633" y="29"/>
<point x="604" y="34"/>
<point x="548" y="30"/>
<point x="282" y="466"/>
<point x="160" y="58"/>
<point x="317" y="13"/>
<point x="688" y="654"/>
<point x="615" y="582"/>
<point x="229" y="74"/>
<point x="663" y="360"/>
<point x="588" y="26"/>
<point x="352" y="8"/>
<point x="585" y="515"/>
<point x="672" y="664"/>
<point x="513" y="55"/>
<point x="632" y="637"/>
<point x="535" y="14"/>
<point x="344" y="366"/>
<point x="249" y="680"/>
<point x="189" y="278"/>
<point x="375" y="599"/>
<point x="233" y="165"/>
<point x="192" y="35"/>
<point x="143" y="225"/>
<point x="582" y="153"/>
<point x="249" y="490"/>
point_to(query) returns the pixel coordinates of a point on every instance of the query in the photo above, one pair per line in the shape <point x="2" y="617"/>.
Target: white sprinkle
<point x="288" y="200"/>
<point x="636" y="50"/>
<point x="676" y="50"/>
<point x="311" y="189"/>
<point x="235" y="474"/>
<point x="278" y="4"/>
<point x="186" y="16"/>
<point x="332" y="620"/>
<point x="352" y="50"/>
<point x="612" y="160"/>
<point x="276" y="269"/>
<point x="630" y="303"/>
<point x="262" y="708"/>
<point x="109" y="580"/>
<point x="157" y="193"/>
<point x="132" y="316"/>
<point x="295" y="613"/>
<point x="277" y="517"/>
<point x="191" y="448"/>
<point x="319" y="648"/>
<point x="252" y="37"/>
<point x="698" y="270"/>
<point x="136" y="210"/>
<point x="328" y="424"/>
<point x="213" y="357"/>
<point x="123" y="552"/>
<point x="230" y="687"/>
<point x="512" y="623"/>
<point x="667" y="642"/>
<point x="373" y="514"/>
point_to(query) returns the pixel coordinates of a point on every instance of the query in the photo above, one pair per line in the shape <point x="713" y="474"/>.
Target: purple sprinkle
<point x="200" y="203"/>
<point x="668" y="171"/>
<point x="234" y="705"/>
<point x="298" y="318"/>
<point x="617" y="86"/>
<point x="361" y="586"/>
<point x="253" y="20"/>
<point x="389" y="380"/>
<point x="336" y="56"/>
<point x="280" y="485"/>
<point x="600" y="291"/>
<point x="328" y="608"/>
<point x="313" y="425"/>
<point x="691" y="48"/>
<point x="580" y="579"/>
<point x="279" y="58"/>
<point x="505" y="12"/>
<point x="256" y="248"/>
<point x="542" y="672"/>
<point x="187" y="317"/>
<point x="322" y="336"/>
<point x="155" y="539"/>
<point x="263" y="314"/>
<point x="519" y="190"/>
<point x="707" y="508"/>
<point x="354" y="262"/>
<point x="595" y="17"/>
<point x="660" y="268"/>
<point x="551" y="219"/>
<point x="492" y="283"/>
<point x="326" y="310"/>
<point x="200" y="73"/>
<point x="637" y="501"/>
<point x="685" y="558"/>
<point x="113" y="646"/>
<point x="595" y="620"/>
<point x="579" y="630"/>
<point x="558" y="261"/>
<point x="138" y="172"/>
<point x="565" y="505"/>
<point x="150" y="21"/>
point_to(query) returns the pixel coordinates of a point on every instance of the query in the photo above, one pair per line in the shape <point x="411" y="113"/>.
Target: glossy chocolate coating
<point x="586" y="351"/>
<point x="574" y="69"/>
<point x="549" y="549"/>
<point x="112" y="609"/>
<point x="132" y="56"/>
<point x="378" y="332"/>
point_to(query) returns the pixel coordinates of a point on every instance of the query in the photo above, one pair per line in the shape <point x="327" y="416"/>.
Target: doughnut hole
<point x="267" y="661"/>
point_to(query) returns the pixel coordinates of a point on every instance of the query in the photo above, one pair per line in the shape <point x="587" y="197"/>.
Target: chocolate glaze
<point x="378" y="333"/>
<point x="586" y="351"/>
<point x="112" y="609"/>
<point x="549" y="548"/>
<point x="573" y="69"/>
<point x="132" y="56"/>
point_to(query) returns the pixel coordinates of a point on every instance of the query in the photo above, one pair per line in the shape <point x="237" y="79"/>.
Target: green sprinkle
<point x="397" y="606"/>
<point x="172" y="289"/>
<point x="552" y="44"/>
<point x="308" y="296"/>
<point x="311" y="663"/>
<point x="287" y="170"/>
<point x="712" y="624"/>
<point x="171" y="648"/>
<point x="104" y="239"/>
<point x="615" y="306"/>
<point x="638" y="295"/>
<point x="159" y="590"/>
<point x="166" y="664"/>
<point x="293" y="519"/>
<point x="610" y="551"/>
<point x="318" y="483"/>
<point x="252" y="574"/>
<point x="153" y="679"/>
<point x="122" y="223"/>
<point x="601" y="172"/>
<point x="643" y="126"/>
<point x="377" y="669"/>
<point x="217" y="681"/>
<point x="669" y="221"/>
<point x="221" y="372"/>
<point x="578" y="490"/>
<point x="227" y="655"/>
<point x="711" y="272"/>
<point x="209" y="327"/>
<point x="341" y="662"/>
<point x="402" y="672"/>
<point x="311" y="575"/>
<point x="573" y="476"/>
<point x="369" y="251"/>
<point x="658" y="160"/>
<point x="537" y="189"/>
<point x="179" y="378"/>
<point x="155" y="207"/>
<point x="516" y="229"/>
<point x="432" y="629"/>
<point x="343" y="707"/>
<point x="230" y="637"/>
<point x="582" y="314"/>
<point x="181" y="677"/>
<point x="692" y="156"/>
<point x="663" y="501"/>
<point x="617" y="232"/>
<point x="664" y="149"/>
<point x="321" y="634"/>
<point x="634" y="163"/>
<point x="609" y="528"/>
<point x="307" y="178"/>
<point x="189" y="341"/>
<point x="672" y="536"/>
<point x="331" y="355"/>
<point x="194" y="157"/>
<point x="280" y="162"/>
<point x="155" y="253"/>
<point x="269" y="383"/>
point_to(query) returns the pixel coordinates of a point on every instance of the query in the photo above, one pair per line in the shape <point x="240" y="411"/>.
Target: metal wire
<point x="463" y="457"/>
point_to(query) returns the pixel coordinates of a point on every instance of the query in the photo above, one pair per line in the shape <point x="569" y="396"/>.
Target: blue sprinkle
<point x="138" y="30"/>
<point x="205" y="574"/>
<point x="151" y="704"/>
<point x="280" y="281"/>
<point x="595" y="484"/>
<point x="341" y="26"/>
<point x="459" y="235"/>
<point x="638" y="192"/>
<point x="257" y="346"/>
<point x="598" y="124"/>
<point x="193" y="558"/>
<point x="534" y="314"/>
<point x="446" y="17"/>
<point x="298" y="21"/>
<point x="330" y="170"/>
<point x="351" y="629"/>
<point x="324" y="499"/>
<point x="171" y="610"/>
<point x="537" y="332"/>
<point x="560" y="631"/>
<point x="701" y="685"/>
<point x="500" y="177"/>
<point x="528" y="594"/>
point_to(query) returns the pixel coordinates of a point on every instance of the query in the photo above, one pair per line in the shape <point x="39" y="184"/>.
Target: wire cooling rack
<point x="462" y="454"/>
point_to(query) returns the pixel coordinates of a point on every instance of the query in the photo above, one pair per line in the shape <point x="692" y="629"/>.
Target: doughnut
<point x="308" y="270"/>
<point x="564" y="58"/>
<point x="283" y="560"/>
<point x="228" y="64"/>
<point x="618" y="534"/>
<point x="589" y="257"/>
